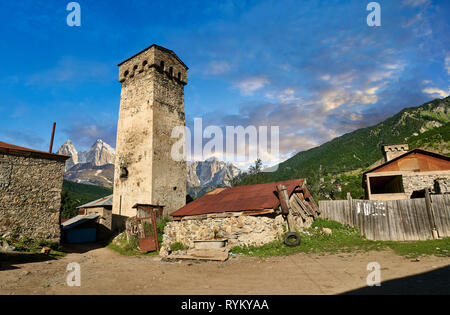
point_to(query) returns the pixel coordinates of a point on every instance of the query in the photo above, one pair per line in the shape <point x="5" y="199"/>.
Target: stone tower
<point x="391" y="151"/>
<point x="151" y="105"/>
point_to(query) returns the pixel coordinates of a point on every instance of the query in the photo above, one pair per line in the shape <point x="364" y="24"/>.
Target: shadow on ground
<point x="432" y="282"/>
<point x="82" y="248"/>
<point x="8" y="260"/>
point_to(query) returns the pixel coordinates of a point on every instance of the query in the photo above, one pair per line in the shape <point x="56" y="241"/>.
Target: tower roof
<point x="161" y="49"/>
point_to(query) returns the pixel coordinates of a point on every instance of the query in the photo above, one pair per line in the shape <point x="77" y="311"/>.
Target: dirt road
<point x="104" y="271"/>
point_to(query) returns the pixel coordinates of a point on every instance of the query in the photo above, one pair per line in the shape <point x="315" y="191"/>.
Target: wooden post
<point x="284" y="199"/>
<point x="434" y="230"/>
<point x="285" y="207"/>
<point x="350" y="205"/>
<point x="53" y="137"/>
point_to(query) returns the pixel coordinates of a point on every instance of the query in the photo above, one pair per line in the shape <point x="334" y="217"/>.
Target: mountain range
<point x="96" y="167"/>
<point x="337" y="163"/>
<point x="206" y="175"/>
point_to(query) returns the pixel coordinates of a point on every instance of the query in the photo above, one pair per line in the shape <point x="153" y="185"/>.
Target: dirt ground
<point x="104" y="271"/>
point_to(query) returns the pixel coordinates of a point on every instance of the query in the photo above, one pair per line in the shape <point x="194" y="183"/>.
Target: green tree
<point x="68" y="205"/>
<point x="255" y="175"/>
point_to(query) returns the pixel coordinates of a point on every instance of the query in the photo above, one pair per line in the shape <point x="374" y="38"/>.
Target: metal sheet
<point x="241" y="198"/>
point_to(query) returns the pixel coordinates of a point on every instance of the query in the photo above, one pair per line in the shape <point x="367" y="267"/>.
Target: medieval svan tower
<point x="151" y="105"/>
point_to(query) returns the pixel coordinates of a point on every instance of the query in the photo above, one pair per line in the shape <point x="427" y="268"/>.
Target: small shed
<point x="244" y="215"/>
<point x="80" y="229"/>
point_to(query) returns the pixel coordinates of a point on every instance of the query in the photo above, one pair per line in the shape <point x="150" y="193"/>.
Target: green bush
<point x="177" y="246"/>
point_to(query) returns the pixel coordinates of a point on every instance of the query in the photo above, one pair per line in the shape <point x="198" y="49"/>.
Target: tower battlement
<point x="154" y="57"/>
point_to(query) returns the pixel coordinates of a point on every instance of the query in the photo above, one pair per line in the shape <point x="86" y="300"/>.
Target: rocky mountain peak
<point x="68" y="149"/>
<point x="100" y="153"/>
<point x="210" y="173"/>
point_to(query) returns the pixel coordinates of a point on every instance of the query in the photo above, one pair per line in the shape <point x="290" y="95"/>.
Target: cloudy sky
<point x="313" y="68"/>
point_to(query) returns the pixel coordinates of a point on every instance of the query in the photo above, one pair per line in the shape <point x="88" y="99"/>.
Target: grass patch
<point x="28" y="245"/>
<point x="440" y="248"/>
<point x="130" y="248"/>
<point x="177" y="246"/>
<point x="344" y="239"/>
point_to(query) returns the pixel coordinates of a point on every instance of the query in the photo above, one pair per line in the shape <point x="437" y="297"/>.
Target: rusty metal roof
<point x="240" y="198"/>
<point x="11" y="148"/>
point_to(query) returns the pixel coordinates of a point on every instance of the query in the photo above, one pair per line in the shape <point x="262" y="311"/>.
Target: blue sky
<point x="314" y="68"/>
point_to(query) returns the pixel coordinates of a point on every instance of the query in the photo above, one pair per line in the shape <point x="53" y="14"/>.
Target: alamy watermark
<point x="374" y="17"/>
<point x="73" y="279"/>
<point x="74" y="17"/>
<point x="235" y="144"/>
<point x="374" y="277"/>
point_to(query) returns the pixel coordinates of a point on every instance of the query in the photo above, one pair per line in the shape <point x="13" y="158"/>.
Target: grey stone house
<point x="30" y="192"/>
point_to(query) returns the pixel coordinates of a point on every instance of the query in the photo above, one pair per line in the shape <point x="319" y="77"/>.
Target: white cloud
<point x="250" y="85"/>
<point x="69" y="69"/>
<point x="435" y="92"/>
<point x="333" y="99"/>
<point x="218" y="67"/>
<point x="415" y="3"/>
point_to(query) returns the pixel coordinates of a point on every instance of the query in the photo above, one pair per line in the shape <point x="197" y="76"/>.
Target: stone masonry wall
<point x="151" y="106"/>
<point x="415" y="182"/>
<point x="242" y="230"/>
<point x="30" y="196"/>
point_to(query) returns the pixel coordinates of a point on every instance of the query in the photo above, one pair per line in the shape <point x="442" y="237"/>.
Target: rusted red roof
<point x="240" y="198"/>
<point x="11" y="148"/>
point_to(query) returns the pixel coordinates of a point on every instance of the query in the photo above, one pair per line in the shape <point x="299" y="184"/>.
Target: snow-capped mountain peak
<point x="68" y="149"/>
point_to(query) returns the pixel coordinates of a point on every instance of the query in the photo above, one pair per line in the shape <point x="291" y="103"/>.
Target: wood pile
<point x="303" y="209"/>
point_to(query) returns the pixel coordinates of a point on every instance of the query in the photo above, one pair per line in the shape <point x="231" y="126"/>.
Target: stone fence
<point x="241" y="230"/>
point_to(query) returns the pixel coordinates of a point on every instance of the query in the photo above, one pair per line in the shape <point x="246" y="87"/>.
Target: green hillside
<point x="342" y="160"/>
<point x="75" y="194"/>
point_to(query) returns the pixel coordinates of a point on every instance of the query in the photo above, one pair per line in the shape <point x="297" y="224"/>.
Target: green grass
<point x="344" y="239"/>
<point x="177" y="246"/>
<point x="130" y="248"/>
<point x="28" y="245"/>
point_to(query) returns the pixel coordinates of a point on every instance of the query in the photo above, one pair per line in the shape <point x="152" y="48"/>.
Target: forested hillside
<point x="341" y="161"/>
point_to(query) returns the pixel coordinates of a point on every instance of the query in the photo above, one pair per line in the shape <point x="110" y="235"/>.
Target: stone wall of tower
<point x="169" y="175"/>
<point x="152" y="104"/>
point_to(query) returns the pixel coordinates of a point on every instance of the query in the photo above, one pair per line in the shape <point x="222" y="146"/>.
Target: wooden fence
<point x="396" y="220"/>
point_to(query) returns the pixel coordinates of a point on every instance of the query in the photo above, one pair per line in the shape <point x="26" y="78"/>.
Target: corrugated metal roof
<point x="78" y="220"/>
<point x="11" y="148"/>
<point x="241" y="198"/>
<point x="105" y="201"/>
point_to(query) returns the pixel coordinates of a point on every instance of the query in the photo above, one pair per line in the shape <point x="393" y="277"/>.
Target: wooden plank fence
<point x="396" y="220"/>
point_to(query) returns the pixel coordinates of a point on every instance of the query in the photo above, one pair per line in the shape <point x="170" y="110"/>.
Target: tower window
<point x="126" y="73"/>
<point x="170" y="71"/>
<point x="144" y="63"/>
<point x="179" y="76"/>
<point x="162" y="65"/>
<point x="123" y="172"/>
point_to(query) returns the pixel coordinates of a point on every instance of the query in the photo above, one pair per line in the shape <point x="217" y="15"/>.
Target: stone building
<point x="30" y="192"/>
<point x="151" y="105"/>
<point x="402" y="175"/>
<point x="244" y="215"/>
